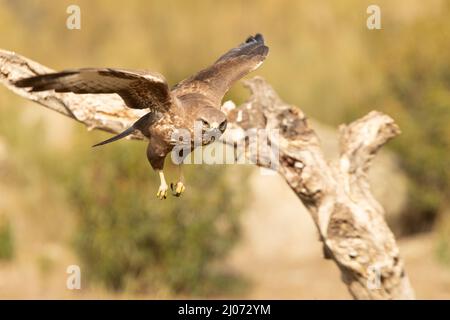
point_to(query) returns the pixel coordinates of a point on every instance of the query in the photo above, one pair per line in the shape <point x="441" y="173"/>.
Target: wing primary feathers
<point x="42" y="82"/>
<point x="252" y="47"/>
<point x="257" y="38"/>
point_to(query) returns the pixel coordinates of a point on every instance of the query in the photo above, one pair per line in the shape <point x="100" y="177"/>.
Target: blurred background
<point x="236" y="233"/>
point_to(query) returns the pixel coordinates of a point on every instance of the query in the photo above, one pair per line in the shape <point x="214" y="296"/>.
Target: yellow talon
<point x="163" y="187"/>
<point x="178" y="189"/>
<point x="162" y="192"/>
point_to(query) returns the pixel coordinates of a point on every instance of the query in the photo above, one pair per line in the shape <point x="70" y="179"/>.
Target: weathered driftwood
<point x="349" y="220"/>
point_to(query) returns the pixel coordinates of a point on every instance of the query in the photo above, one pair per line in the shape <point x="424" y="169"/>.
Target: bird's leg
<point x="178" y="188"/>
<point x="162" y="191"/>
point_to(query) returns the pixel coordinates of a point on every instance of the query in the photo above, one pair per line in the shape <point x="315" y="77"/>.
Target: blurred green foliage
<point x="415" y="64"/>
<point x="129" y="239"/>
<point x="125" y="237"/>
<point x="124" y="232"/>
<point x="6" y="239"/>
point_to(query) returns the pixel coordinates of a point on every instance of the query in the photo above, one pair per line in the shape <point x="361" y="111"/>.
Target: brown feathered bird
<point x="195" y="99"/>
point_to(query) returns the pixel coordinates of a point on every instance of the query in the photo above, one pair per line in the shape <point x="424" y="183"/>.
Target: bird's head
<point x="213" y="123"/>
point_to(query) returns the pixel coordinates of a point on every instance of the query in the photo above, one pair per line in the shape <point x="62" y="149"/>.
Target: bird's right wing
<point x="139" y="89"/>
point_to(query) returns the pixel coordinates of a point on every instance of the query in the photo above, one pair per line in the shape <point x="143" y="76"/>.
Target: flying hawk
<point x="196" y="99"/>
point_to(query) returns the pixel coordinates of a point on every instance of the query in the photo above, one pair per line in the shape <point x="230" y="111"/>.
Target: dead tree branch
<point x="349" y="220"/>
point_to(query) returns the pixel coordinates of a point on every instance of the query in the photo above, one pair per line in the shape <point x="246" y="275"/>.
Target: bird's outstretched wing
<point x="214" y="81"/>
<point x="139" y="89"/>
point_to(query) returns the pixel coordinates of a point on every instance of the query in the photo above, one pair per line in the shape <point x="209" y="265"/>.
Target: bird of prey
<point x="196" y="99"/>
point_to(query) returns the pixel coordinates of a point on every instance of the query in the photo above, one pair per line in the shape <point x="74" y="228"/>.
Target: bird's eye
<point x="223" y="125"/>
<point x="204" y="123"/>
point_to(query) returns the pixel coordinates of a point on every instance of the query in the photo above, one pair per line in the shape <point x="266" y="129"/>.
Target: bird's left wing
<point x="139" y="89"/>
<point x="214" y="81"/>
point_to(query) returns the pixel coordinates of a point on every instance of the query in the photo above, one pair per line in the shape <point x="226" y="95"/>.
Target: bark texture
<point x="349" y="219"/>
